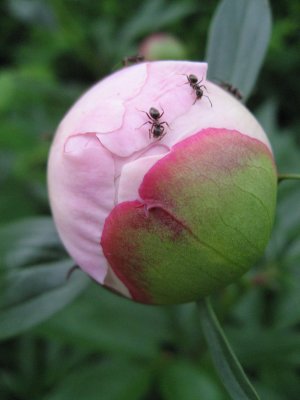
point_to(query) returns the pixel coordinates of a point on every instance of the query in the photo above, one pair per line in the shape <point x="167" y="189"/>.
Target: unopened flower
<point x="165" y="206"/>
<point x="162" y="46"/>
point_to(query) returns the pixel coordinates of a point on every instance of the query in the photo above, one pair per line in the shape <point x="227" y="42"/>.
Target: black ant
<point x="231" y="89"/>
<point x="157" y="129"/>
<point x="133" y="60"/>
<point x="195" y="85"/>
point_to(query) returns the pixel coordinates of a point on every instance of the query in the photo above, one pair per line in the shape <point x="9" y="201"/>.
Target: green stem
<point x="282" y="177"/>
<point x="225" y="361"/>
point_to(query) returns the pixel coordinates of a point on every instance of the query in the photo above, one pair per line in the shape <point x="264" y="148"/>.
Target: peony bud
<point x="162" y="46"/>
<point x="165" y="219"/>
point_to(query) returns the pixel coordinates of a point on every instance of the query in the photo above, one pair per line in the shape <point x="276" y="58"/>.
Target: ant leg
<point x="163" y="111"/>
<point x="201" y="80"/>
<point x="151" y="132"/>
<point x="184" y="75"/>
<point x="186" y="83"/>
<point x="149" y="116"/>
<point x="208" y="99"/>
<point x="148" y="122"/>
<point x="151" y="135"/>
<point x="163" y="135"/>
<point x="165" y="123"/>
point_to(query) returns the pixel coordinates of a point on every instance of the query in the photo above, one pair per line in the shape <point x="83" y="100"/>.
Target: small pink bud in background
<point x="162" y="46"/>
<point x="162" y="208"/>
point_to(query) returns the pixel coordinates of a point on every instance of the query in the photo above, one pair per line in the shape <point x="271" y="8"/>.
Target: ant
<point x="195" y="85"/>
<point x="231" y="89"/>
<point x="133" y="60"/>
<point x="157" y="130"/>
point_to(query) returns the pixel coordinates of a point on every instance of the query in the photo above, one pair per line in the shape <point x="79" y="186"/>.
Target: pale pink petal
<point x="101" y="107"/>
<point x="164" y="89"/>
<point x="132" y="176"/>
<point x="226" y="112"/>
<point x="106" y="117"/>
<point x="81" y="189"/>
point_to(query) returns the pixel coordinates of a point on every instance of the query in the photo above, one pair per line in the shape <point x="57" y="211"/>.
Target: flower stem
<point x="282" y="177"/>
<point x="224" y="359"/>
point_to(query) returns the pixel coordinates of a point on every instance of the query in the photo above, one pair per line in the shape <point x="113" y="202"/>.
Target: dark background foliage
<point x="101" y="346"/>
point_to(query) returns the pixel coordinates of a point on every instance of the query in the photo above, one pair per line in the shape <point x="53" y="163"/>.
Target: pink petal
<point x="82" y="194"/>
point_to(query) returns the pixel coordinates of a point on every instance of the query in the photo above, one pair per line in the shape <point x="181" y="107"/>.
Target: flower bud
<point x="162" y="46"/>
<point x="163" y="206"/>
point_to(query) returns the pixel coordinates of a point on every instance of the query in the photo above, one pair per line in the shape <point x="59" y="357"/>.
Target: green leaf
<point x="17" y="318"/>
<point x="29" y="241"/>
<point x="29" y="282"/>
<point x="110" y="324"/>
<point x="183" y="380"/>
<point x="33" y="289"/>
<point x="270" y="347"/>
<point x="225" y="361"/>
<point x="283" y="143"/>
<point x="237" y="43"/>
<point x="114" y="379"/>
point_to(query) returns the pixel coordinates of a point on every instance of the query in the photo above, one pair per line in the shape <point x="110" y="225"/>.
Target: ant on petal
<point x="157" y="129"/>
<point x="195" y="84"/>
<point x="133" y="60"/>
<point x="231" y="89"/>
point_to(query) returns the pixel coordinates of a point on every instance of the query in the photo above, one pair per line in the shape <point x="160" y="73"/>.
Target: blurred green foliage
<point x="101" y="346"/>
